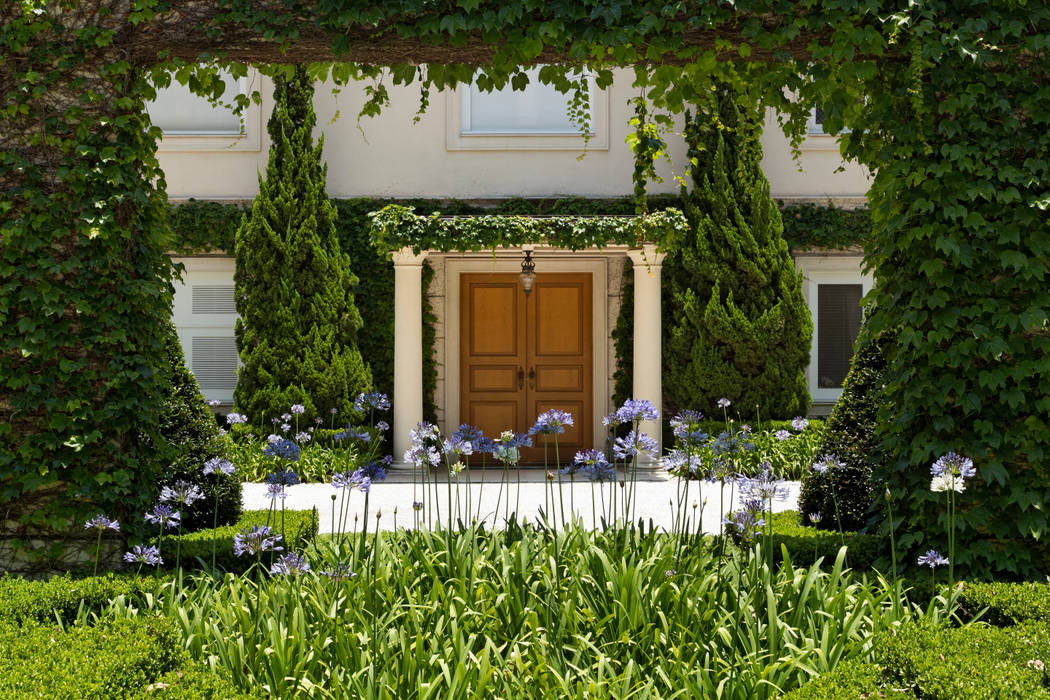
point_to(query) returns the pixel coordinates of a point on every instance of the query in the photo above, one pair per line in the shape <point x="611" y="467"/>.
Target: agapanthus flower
<point x="745" y="429"/>
<point x="455" y="446"/>
<point x="753" y="505"/>
<point x="371" y="401"/>
<point x="947" y="482"/>
<point x="685" y="421"/>
<point x="290" y="564"/>
<point x="298" y="409"/>
<point x="422" y="454"/>
<point x="181" y="492"/>
<point x="742" y="524"/>
<point x="288" y="477"/>
<point x="507" y="449"/>
<point x="782" y="435"/>
<point x="286" y="417"/>
<point x="826" y="462"/>
<point x="634" y="443"/>
<point x="303" y="436"/>
<point x="636" y="410"/>
<point x="417" y="505"/>
<point x="214" y="402"/>
<point x="149" y="556"/>
<point x="551" y="422"/>
<point x="318" y="420"/>
<point x="724" y="403"/>
<point x="101" y="522"/>
<point x="341" y="480"/>
<point x="727" y="442"/>
<point x="285" y="427"/>
<point x="275" y="491"/>
<point x="681" y="464"/>
<point x="932" y="559"/>
<point x="798" y="423"/>
<point x="235" y="418"/>
<point x="339" y="572"/>
<point x="352" y="432"/>
<point x="953" y="463"/>
<point x="471" y="434"/>
<point x="256" y="540"/>
<point x="815" y="518"/>
<point x="218" y="465"/>
<point x="163" y="516"/>
<point x="764" y="486"/>
<point x="382" y="426"/>
<point x="375" y="471"/>
<point x="334" y="411"/>
<point x="593" y="465"/>
<point x="361" y="482"/>
<point x="281" y="448"/>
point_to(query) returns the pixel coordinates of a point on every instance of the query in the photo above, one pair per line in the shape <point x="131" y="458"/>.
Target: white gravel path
<point x="657" y="494"/>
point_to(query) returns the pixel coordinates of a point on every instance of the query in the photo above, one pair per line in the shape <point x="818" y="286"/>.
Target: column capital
<point x="406" y="257"/>
<point x="646" y="256"/>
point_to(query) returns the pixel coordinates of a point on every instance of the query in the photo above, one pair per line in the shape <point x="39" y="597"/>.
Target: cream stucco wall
<point x="392" y="157"/>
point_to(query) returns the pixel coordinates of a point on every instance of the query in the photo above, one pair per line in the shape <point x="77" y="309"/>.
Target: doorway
<point x="523" y="355"/>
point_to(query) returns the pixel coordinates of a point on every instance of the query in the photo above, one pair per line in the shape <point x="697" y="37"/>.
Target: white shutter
<point x="213" y="299"/>
<point x="215" y="363"/>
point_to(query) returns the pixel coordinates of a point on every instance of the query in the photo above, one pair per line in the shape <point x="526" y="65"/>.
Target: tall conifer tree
<point x="297" y="332"/>
<point x="736" y="325"/>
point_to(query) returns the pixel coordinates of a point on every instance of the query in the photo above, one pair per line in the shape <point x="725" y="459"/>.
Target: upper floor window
<point x="816" y="120"/>
<point x="178" y="112"/>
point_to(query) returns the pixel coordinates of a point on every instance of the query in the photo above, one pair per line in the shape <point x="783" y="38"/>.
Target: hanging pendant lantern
<point x="528" y="272"/>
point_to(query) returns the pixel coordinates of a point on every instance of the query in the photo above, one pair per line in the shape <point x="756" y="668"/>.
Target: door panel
<point x="521" y="356"/>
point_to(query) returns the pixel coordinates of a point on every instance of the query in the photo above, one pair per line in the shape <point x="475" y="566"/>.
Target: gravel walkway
<point x="656" y="498"/>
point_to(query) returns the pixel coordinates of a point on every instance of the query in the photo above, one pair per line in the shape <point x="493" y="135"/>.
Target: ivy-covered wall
<point x="203" y="226"/>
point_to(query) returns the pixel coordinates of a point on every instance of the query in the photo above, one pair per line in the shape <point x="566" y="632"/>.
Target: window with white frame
<point x="205" y="314"/>
<point x="816" y="121"/>
<point x="538" y="117"/>
<point x="189" y="122"/>
<point x="834" y="289"/>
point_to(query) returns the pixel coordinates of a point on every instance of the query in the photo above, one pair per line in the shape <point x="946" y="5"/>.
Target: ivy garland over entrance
<point x="947" y="102"/>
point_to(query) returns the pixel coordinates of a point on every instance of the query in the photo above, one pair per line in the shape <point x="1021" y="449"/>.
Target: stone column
<point x="408" y="347"/>
<point x="648" y="355"/>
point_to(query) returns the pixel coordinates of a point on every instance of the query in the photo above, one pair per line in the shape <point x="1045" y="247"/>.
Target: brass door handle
<point x="521" y="378"/>
<point x="532" y="378"/>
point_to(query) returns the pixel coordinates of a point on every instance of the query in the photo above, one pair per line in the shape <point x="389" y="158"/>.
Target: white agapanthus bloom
<point x="947" y="482"/>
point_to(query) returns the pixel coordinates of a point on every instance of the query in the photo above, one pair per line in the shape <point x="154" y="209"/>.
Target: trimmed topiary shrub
<point x="737" y="324"/>
<point x="849" y="433"/>
<point x="806" y="545"/>
<point x="189" y="427"/>
<point x="297" y="331"/>
<point x="1007" y="603"/>
<point x="23" y="600"/>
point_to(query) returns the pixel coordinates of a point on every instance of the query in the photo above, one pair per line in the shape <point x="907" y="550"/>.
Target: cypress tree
<point x="736" y="323"/>
<point x="297" y="331"/>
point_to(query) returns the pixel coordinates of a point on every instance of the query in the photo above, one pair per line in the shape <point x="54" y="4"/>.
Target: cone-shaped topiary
<point x="189" y="427"/>
<point x="849" y="434"/>
<point x="298" y="323"/>
<point x="736" y="323"/>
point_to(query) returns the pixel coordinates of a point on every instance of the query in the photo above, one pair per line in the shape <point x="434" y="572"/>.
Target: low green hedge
<point x="791" y="459"/>
<point x="299" y="529"/>
<point x="23" y="600"/>
<point x="1007" y="603"/>
<point x="115" y="658"/>
<point x="806" y="544"/>
<point x="949" y="663"/>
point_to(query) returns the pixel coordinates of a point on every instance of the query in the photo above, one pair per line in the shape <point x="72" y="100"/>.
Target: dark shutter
<point x="838" y="323"/>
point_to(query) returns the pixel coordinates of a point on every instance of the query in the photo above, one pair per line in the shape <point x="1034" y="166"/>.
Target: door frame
<point x="547" y="260"/>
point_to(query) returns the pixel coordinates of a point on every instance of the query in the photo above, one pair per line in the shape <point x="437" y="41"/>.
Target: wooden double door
<point x="523" y="355"/>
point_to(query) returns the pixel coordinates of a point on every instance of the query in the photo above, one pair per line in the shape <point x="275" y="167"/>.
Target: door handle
<point x="532" y="378"/>
<point x="521" y="378"/>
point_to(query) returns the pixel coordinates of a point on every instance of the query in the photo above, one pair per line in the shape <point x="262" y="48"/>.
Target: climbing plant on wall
<point x="946" y="103"/>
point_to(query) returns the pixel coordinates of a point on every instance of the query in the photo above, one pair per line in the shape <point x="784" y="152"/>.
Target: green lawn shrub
<point x="24" y="600"/>
<point x="791" y="458"/>
<point x="806" y="544"/>
<point x="299" y="529"/>
<point x="115" y="658"/>
<point x="977" y="662"/>
<point x="849" y="433"/>
<point x="1007" y="603"/>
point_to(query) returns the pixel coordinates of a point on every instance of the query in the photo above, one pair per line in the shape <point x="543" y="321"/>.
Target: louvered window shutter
<point x="839" y="318"/>
<point x="213" y="299"/>
<point x="215" y="363"/>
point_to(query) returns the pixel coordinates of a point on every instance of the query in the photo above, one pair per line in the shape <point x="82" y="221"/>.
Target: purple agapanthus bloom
<point x="288" y="477"/>
<point x="683" y="465"/>
<point x="815" y="518"/>
<point x="286" y="417"/>
<point x="275" y="491"/>
<point x="256" y="540"/>
<point x="181" y="492"/>
<point x="954" y="464"/>
<point x="382" y="426"/>
<point x="593" y="465"/>
<point x="742" y="524"/>
<point x="375" y="471"/>
<point x="634" y="443"/>
<point x="101" y="522"/>
<point x="826" y="462"/>
<point x="724" y="403"/>
<point x="218" y="465"/>
<point x="352" y="432"/>
<point x="782" y="435"/>
<point x="281" y="448"/>
<point x="765" y="486"/>
<point x="686" y="426"/>
<point x="798" y="423"/>
<point x="456" y="446"/>
<point x="285" y="427"/>
<point x="298" y="409"/>
<point x="340" y="571"/>
<point x="361" y="482"/>
<point x="163" y="516"/>
<point x="235" y="418"/>
<point x="149" y="556"/>
<point x="551" y="422"/>
<point x="634" y="410"/>
<point x="290" y="564"/>
<point x="727" y="443"/>
<point x="341" y="480"/>
<point x="932" y="559"/>
<point x="303" y="437"/>
<point x="422" y="454"/>
<point x="371" y="401"/>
